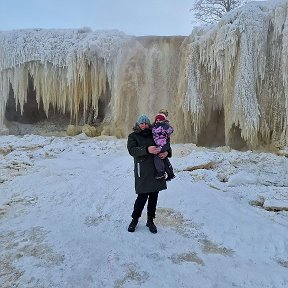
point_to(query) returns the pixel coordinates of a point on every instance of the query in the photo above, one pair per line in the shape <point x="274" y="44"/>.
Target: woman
<point x="142" y="148"/>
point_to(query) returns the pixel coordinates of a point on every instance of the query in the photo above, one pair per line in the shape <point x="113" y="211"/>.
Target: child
<point x="161" y="131"/>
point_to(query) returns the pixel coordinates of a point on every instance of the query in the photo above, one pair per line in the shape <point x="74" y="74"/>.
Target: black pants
<point x="162" y="166"/>
<point x="141" y="201"/>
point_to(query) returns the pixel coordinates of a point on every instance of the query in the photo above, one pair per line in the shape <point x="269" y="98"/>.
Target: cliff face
<point x="223" y="85"/>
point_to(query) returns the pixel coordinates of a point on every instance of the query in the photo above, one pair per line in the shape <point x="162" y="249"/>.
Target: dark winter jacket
<point x="144" y="169"/>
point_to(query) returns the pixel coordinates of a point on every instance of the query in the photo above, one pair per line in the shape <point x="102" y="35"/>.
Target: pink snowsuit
<point x="161" y="134"/>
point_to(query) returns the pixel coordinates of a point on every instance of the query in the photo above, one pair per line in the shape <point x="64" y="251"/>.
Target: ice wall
<point x="223" y="85"/>
<point x="109" y="72"/>
<point x="240" y="67"/>
<point x="146" y="82"/>
<point x="68" y="67"/>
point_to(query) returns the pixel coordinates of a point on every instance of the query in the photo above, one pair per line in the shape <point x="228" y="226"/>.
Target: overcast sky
<point x="142" y="17"/>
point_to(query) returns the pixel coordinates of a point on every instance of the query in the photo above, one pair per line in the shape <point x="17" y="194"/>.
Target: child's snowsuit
<point x="161" y="134"/>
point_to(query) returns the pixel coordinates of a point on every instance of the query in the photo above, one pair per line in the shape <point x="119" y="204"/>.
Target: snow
<point x="65" y="205"/>
<point x="57" y="46"/>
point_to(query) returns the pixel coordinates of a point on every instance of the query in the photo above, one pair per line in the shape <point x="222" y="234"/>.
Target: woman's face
<point x="143" y="126"/>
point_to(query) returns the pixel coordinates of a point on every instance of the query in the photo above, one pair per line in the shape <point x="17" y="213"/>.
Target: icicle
<point x="64" y="65"/>
<point x="243" y="70"/>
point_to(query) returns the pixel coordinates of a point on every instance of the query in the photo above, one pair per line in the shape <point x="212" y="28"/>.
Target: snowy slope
<point x="65" y="205"/>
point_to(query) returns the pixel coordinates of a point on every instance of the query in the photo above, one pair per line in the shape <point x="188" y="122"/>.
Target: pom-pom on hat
<point x="163" y="111"/>
<point x="143" y="119"/>
<point x="160" y="117"/>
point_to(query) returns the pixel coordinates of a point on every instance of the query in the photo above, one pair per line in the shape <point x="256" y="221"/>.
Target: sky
<point x="146" y="17"/>
<point x="65" y="205"/>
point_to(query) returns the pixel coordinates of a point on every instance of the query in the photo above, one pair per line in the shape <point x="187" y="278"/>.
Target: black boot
<point x="169" y="170"/>
<point x="170" y="177"/>
<point x="132" y="225"/>
<point x="150" y="224"/>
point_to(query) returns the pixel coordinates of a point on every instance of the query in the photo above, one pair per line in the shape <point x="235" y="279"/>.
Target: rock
<point x="73" y="130"/>
<point x="209" y="165"/>
<point x="90" y="131"/>
<point x="4" y="131"/>
<point x="282" y="152"/>
<point x="258" y="202"/>
<point x="6" y="150"/>
<point x="276" y="205"/>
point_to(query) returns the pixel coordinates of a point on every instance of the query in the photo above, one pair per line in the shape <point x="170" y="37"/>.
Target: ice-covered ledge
<point x="4" y="130"/>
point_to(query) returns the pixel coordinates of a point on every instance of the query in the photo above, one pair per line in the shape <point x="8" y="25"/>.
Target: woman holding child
<point x="142" y="148"/>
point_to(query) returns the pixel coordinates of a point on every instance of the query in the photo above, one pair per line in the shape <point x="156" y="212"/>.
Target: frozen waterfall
<point x="222" y="85"/>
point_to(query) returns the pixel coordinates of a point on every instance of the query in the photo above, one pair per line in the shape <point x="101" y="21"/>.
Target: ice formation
<point x="68" y="67"/>
<point x="223" y="85"/>
<point x="240" y="67"/>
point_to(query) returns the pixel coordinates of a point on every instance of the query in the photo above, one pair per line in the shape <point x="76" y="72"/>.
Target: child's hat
<point x="160" y="117"/>
<point x="163" y="111"/>
<point x="143" y="119"/>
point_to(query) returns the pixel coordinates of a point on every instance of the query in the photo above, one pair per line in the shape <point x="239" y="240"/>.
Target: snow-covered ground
<point x="65" y="205"/>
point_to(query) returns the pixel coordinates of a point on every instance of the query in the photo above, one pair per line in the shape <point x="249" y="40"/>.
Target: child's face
<point x="158" y="120"/>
